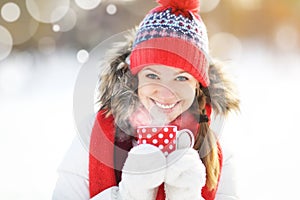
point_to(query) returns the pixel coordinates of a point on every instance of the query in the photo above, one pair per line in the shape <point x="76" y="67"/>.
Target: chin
<point x="170" y="118"/>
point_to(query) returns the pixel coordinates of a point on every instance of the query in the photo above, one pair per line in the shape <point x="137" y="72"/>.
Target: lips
<point x="164" y="105"/>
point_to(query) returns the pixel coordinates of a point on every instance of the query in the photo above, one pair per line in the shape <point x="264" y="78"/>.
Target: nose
<point x="166" y="93"/>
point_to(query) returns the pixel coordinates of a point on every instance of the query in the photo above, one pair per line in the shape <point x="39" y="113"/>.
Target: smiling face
<point x="166" y="90"/>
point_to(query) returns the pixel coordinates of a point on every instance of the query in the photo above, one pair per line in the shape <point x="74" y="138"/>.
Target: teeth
<point x="165" y="106"/>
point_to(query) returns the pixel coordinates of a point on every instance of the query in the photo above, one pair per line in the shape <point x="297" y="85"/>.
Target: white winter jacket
<point x="73" y="181"/>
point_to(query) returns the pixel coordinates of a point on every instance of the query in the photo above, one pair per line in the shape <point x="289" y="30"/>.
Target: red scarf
<point x="101" y="158"/>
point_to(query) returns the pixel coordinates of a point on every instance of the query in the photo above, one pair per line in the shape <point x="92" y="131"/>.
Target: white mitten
<point x="144" y="170"/>
<point x="185" y="175"/>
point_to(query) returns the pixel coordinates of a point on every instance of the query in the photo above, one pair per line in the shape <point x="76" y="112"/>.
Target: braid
<point x="205" y="142"/>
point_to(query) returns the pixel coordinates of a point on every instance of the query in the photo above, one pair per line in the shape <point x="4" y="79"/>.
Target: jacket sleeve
<point x="72" y="182"/>
<point x="227" y="189"/>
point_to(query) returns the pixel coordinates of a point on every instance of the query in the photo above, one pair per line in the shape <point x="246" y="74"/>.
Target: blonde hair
<point x="222" y="96"/>
<point x="206" y="141"/>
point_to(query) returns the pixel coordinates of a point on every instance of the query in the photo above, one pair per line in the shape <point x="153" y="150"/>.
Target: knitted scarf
<point x="107" y="155"/>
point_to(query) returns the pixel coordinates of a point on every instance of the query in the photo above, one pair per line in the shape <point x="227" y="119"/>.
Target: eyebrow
<point x="175" y="74"/>
<point x="151" y="70"/>
<point x="182" y="72"/>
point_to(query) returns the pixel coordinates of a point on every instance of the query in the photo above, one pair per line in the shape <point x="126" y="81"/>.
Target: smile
<point x="165" y="106"/>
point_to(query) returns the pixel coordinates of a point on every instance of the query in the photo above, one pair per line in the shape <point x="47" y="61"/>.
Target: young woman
<point x="160" y="76"/>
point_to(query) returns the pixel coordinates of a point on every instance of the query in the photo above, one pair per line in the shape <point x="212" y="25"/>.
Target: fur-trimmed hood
<point x="117" y="86"/>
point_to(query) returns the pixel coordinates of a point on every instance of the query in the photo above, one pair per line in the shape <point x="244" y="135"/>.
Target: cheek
<point x="190" y="98"/>
<point x="187" y="91"/>
<point x="144" y="92"/>
<point x="144" y="86"/>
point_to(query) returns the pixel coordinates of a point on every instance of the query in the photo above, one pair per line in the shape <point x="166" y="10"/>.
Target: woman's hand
<point x="185" y="175"/>
<point x="144" y="170"/>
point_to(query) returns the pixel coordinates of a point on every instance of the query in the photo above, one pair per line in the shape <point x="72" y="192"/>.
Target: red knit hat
<point x="173" y="34"/>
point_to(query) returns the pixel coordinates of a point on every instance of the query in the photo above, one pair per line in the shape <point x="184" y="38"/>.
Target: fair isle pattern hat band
<point x="166" y="24"/>
<point x="173" y="34"/>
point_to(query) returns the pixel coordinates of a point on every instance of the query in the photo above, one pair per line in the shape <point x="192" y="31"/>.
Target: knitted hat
<point x="173" y="34"/>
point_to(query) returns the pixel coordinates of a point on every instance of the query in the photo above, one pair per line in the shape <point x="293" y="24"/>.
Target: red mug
<point x="163" y="137"/>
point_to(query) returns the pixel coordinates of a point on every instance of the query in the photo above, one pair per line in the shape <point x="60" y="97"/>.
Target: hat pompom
<point x="186" y="5"/>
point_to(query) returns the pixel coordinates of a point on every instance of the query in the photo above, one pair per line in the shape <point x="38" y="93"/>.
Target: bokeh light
<point x="47" y="11"/>
<point x="10" y="12"/>
<point x="287" y="37"/>
<point x="87" y="4"/>
<point x="26" y="29"/>
<point x="56" y="28"/>
<point x="6" y="43"/>
<point x="111" y="9"/>
<point x="208" y="5"/>
<point x="23" y="28"/>
<point x="32" y="50"/>
<point x="82" y="56"/>
<point x="225" y="46"/>
<point x="68" y="22"/>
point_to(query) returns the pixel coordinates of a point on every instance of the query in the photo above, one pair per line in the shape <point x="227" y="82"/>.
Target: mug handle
<point x="185" y="139"/>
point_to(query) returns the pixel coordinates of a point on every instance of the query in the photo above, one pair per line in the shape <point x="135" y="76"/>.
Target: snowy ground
<point x="36" y="123"/>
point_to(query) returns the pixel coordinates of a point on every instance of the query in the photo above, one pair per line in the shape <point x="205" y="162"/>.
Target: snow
<point x="37" y="124"/>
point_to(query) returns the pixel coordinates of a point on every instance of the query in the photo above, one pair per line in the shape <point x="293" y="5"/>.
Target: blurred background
<point x="43" y="45"/>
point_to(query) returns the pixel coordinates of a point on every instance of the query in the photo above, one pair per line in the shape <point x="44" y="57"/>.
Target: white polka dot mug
<point x="166" y="138"/>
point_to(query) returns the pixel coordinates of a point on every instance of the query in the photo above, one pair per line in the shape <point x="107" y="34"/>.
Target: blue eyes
<point x="152" y="76"/>
<point x="156" y="77"/>
<point x="181" y="78"/>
